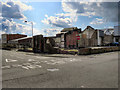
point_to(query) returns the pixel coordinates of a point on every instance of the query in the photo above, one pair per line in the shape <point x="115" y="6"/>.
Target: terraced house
<point x="68" y="37"/>
<point x="91" y="37"/>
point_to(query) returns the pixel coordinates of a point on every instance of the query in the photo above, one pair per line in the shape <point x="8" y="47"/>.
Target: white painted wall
<point x="99" y="38"/>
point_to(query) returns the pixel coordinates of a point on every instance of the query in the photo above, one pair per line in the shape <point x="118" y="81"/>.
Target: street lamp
<point x="32" y="31"/>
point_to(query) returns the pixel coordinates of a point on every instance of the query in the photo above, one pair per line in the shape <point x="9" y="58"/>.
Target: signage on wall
<point x="78" y="37"/>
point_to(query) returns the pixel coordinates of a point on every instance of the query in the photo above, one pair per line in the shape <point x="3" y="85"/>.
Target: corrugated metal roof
<point x="20" y="39"/>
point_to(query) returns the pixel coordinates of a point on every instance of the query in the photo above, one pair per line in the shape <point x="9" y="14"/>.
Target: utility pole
<point x="32" y="31"/>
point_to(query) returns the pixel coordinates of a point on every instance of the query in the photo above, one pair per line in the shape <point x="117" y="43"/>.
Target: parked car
<point x="113" y="44"/>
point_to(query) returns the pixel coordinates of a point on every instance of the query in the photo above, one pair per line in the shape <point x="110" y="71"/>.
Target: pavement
<point x="29" y="70"/>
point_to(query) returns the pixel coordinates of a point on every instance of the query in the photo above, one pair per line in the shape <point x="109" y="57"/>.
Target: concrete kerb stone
<point x="87" y="51"/>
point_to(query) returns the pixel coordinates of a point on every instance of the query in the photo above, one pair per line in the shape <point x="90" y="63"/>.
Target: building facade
<point x="116" y="33"/>
<point x="67" y="38"/>
<point x="71" y="38"/>
<point x="8" y="37"/>
<point x="91" y="37"/>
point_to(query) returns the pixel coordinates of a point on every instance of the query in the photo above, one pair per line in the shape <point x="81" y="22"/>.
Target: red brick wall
<point x="71" y="39"/>
<point x="14" y="36"/>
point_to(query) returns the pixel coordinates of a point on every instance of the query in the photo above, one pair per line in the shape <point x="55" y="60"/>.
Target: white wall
<point x="98" y="37"/>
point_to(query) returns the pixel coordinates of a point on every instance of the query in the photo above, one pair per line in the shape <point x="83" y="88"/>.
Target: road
<point x="28" y="70"/>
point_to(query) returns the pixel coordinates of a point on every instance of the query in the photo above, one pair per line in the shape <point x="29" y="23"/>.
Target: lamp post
<point x="32" y="31"/>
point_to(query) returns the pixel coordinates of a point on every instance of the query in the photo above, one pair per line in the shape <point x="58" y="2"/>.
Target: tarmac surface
<point x="29" y="70"/>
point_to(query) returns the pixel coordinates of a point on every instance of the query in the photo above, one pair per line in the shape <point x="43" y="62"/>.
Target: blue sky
<point x="50" y="18"/>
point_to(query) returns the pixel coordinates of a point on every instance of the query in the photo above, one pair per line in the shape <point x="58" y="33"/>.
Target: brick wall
<point x="14" y="36"/>
<point x="71" y="39"/>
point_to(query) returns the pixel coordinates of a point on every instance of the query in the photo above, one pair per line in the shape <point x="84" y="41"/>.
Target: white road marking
<point x="52" y="60"/>
<point x="36" y="62"/>
<point x="31" y="66"/>
<point x="10" y="60"/>
<point x="25" y="67"/>
<point x="51" y="63"/>
<point x="52" y="70"/>
<point x="16" y="65"/>
<point x="82" y="86"/>
<point x="30" y="60"/>
<point x="5" y="67"/>
<point x="39" y="66"/>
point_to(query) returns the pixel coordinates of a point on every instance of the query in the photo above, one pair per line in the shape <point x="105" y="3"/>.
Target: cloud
<point x="51" y="31"/>
<point x="14" y="9"/>
<point x="106" y="10"/>
<point x="1" y="32"/>
<point x="97" y="21"/>
<point x="9" y="26"/>
<point x="58" y="21"/>
<point x="23" y="6"/>
<point x="72" y="16"/>
<point x="74" y="8"/>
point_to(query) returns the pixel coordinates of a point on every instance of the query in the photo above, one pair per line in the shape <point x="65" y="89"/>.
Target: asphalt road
<point x="28" y="70"/>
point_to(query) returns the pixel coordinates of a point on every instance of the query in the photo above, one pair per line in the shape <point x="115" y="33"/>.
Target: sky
<point x="49" y="18"/>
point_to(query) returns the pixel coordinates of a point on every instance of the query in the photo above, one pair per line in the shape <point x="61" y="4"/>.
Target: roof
<point x="14" y="34"/>
<point x="21" y="38"/>
<point x="87" y="28"/>
<point x="50" y="37"/>
<point x="61" y="32"/>
<point x="89" y="31"/>
<point x="108" y="31"/>
<point x="69" y="29"/>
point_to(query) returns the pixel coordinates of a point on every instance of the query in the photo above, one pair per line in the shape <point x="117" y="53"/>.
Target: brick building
<point x="67" y="38"/>
<point x="27" y="41"/>
<point x="71" y="38"/>
<point x="8" y="37"/>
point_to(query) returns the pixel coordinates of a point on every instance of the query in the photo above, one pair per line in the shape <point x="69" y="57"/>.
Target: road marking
<point x="5" y="67"/>
<point x="82" y="86"/>
<point x="52" y="60"/>
<point x="31" y="66"/>
<point x="30" y="60"/>
<point x="16" y="65"/>
<point x="39" y="66"/>
<point x="37" y="62"/>
<point x="10" y="60"/>
<point x="51" y="63"/>
<point x="52" y="70"/>
<point x="25" y="67"/>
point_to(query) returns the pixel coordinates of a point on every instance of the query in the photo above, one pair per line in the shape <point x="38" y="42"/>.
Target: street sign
<point x="78" y="37"/>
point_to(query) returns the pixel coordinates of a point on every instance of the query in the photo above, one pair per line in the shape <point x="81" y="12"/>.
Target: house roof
<point x="89" y="31"/>
<point x="60" y="33"/>
<point x="87" y="28"/>
<point x="69" y="29"/>
<point x="108" y="31"/>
